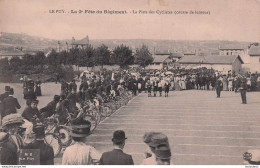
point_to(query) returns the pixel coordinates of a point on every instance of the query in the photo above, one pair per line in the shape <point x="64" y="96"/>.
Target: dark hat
<point x="7" y="88"/>
<point x="158" y="139"/>
<point x="4" y="137"/>
<point x="163" y="152"/>
<point x="56" y="97"/>
<point x="119" y="136"/>
<point x="147" y="137"/>
<point x="34" y="101"/>
<point x="11" y="91"/>
<point x="80" y="128"/>
<point x="39" y="130"/>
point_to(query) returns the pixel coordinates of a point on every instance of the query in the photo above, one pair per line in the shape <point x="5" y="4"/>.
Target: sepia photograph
<point x="147" y="82"/>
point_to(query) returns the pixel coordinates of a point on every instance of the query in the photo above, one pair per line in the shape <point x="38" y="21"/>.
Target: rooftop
<point x="83" y="41"/>
<point x="210" y="59"/>
<point x="254" y="50"/>
<point x="160" y="58"/>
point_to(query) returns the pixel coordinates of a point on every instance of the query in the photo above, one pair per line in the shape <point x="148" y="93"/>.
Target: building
<point x="11" y="54"/>
<point x="221" y="63"/>
<point x="235" y="50"/>
<point x="80" y="43"/>
<point x="176" y="56"/>
<point x="254" y="54"/>
<point x="160" y="62"/>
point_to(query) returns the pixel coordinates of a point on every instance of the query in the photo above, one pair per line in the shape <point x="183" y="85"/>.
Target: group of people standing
<point x="31" y="89"/>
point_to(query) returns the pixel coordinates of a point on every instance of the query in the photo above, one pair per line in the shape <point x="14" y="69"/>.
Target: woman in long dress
<point x="225" y="83"/>
<point x="38" y="91"/>
<point x="176" y="83"/>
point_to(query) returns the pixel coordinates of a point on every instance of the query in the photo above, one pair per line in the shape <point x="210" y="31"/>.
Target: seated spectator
<point x="117" y="156"/>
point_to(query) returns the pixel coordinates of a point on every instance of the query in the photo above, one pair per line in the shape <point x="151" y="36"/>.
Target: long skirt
<point x="177" y="86"/>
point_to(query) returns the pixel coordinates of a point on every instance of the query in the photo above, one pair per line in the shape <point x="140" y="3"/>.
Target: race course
<point x="201" y="128"/>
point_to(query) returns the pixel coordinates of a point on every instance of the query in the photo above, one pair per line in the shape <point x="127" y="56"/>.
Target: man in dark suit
<point x="50" y="108"/>
<point x="2" y="97"/>
<point x="46" y="151"/>
<point x="117" y="156"/>
<point x="219" y="87"/>
<point x="243" y="88"/>
<point x="10" y="104"/>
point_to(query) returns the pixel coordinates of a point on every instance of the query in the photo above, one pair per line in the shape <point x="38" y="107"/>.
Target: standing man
<point x="79" y="153"/>
<point x="10" y="104"/>
<point x="117" y="156"/>
<point x="46" y="151"/>
<point x="2" y="97"/>
<point x="219" y="86"/>
<point x="243" y="89"/>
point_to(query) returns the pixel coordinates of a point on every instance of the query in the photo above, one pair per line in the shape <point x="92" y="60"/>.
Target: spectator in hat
<point x="11" y="125"/>
<point x="31" y="112"/>
<point x="30" y="94"/>
<point x="243" y="89"/>
<point x="117" y="156"/>
<point x="50" y="108"/>
<point x="153" y="140"/>
<point x="219" y="87"/>
<point x="8" y="150"/>
<point x="46" y="151"/>
<point x="163" y="155"/>
<point x="2" y="97"/>
<point x="10" y="104"/>
<point x="80" y="153"/>
<point x="38" y="91"/>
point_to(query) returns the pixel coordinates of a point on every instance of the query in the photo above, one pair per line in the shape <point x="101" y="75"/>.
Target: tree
<point x="143" y="56"/>
<point x="28" y="60"/>
<point x="102" y="55"/>
<point x="15" y="63"/>
<point x="4" y="66"/>
<point x="122" y="56"/>
<point x="86" y="56"/>
<point x="39" y="58"/>
<point x="53" y="58"/>
<point x="64" y="57"/>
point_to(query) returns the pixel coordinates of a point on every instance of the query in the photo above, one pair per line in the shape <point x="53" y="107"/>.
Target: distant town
<point x="224" y="56"/>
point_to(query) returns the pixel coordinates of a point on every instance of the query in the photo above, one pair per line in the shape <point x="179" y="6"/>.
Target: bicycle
<point x="252" y="157"/>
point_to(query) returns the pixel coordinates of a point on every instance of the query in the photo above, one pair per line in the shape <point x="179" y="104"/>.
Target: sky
<point x="233" y="20"/>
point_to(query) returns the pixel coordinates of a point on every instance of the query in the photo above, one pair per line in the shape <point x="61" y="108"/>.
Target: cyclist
<point x="50" y="108"/>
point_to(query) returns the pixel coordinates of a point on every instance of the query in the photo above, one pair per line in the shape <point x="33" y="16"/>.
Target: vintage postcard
<point x="147" y="82"/>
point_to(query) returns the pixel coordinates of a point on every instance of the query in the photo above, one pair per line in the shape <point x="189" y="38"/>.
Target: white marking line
<point x="198" y="155"/>
<point x="151" y="119"/>
<point x="207" y="155"/>
<point x="226" y="146"/>
<point x="200" y="145"/>
<point x="117" y="111"/>
<point x="148" y="107"/>
<point x="182" y="116"/>
<point x="138" y="123"/>
<point x="169" y="129"/>
<point x="136" y="135"/>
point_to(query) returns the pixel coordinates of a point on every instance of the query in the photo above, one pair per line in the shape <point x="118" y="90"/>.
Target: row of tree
<point x="87" y="56"/>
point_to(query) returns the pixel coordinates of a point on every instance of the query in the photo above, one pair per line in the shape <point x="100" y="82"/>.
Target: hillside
<point x="10" y="42"/>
